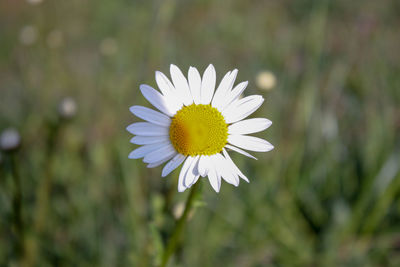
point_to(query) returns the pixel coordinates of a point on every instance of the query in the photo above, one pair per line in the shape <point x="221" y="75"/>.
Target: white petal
<point x="242" y="108"/>
<point x="250" y="143"/>
<point x="146" y="140"/>
<point x="195" y="179"/>
<point x="144" y="150"/>
<point x="153" y="165"/>
<point x="233" y="95"/>
<point x="164" y="84"/>
<point x="228" y="174"/>
<point x="147" y="129"/>
<point x="249" y="126"/>
<point x="213" y="176"/>
<point x="159" y="154"/>
<point x="157" y="100"/>
<point x="161" y="161"/>
<point x="240" y="151"/>
<point x="203" y="166"/>
<point x="191" y="173"/>
<point x="221" y="87"/>
<point x="150" y="115"/>
<point x="224" y="88"/>
<point x="185" y="167"/>
<point x="195" y="84"/>
<point x="233" y="165"/>
<point x="173" y="164"/>
<point x="174" y="100"/>
<point x="208" y="85"/>
<point x="181" y="85"/>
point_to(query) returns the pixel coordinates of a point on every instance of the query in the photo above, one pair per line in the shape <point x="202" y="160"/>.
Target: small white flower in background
<point x="196" y="124"/>
<point x="108" y="47"/>
<point x="9" y="139"/>
<point x="55" y="39"/>
<point x="34" y="2"/>
<point x="265" y="80"/>
<point x="67" y="108"/>
<point x="28" y="35"/>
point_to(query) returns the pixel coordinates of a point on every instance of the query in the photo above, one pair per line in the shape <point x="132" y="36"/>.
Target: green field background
<point x="327" y="195"/>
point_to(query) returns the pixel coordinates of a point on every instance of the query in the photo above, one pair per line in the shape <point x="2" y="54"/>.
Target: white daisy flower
<point x="195" y="125"/>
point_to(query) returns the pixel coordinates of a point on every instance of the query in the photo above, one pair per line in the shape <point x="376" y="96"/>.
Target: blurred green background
<point x="327" y="195"/>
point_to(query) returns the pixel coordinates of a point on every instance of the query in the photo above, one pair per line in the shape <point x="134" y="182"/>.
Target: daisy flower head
<point x="195" y="124"/>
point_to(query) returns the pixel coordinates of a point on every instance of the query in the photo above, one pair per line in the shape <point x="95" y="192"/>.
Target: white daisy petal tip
<point x="166" y="105"/>
<point x="249" y="126"/>
<point x="242" y="108"/>
<point x="236" y="149"/>
<point x="150" y="115"/>
<point x="144" y="87"/>
<point x="211" y="68"/>
<point x="208" y="85"/>
<point x="181" y="189"/>
<point x="159" y="74"/>
<point x="203" y="166"/>
<point x="213" y="176"/>
<point x="182" y="90"/>
<point x="172" y="164"/>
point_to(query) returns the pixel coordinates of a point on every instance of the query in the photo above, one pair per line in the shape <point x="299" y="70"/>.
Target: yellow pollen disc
<point x="198" y="130"/>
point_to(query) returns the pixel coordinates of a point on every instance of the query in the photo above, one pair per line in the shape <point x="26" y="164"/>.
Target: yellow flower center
<point x="198" y="130"/>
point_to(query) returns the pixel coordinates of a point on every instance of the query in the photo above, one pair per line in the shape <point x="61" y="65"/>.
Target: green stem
<point x="17" y="205"/>
<point x="44" y="189"/>
<point x="43" y="195"/>
<point x="176" y="233"/>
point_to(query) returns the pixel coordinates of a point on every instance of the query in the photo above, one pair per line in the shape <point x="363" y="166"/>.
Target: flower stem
<point x="44" y="190"/>
<point x="17" y="206"/>
<point x="43" y="196"/>
<point x="176" y="233"/>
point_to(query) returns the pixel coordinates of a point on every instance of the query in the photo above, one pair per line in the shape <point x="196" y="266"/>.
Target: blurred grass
<point x="328" y="195"/>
